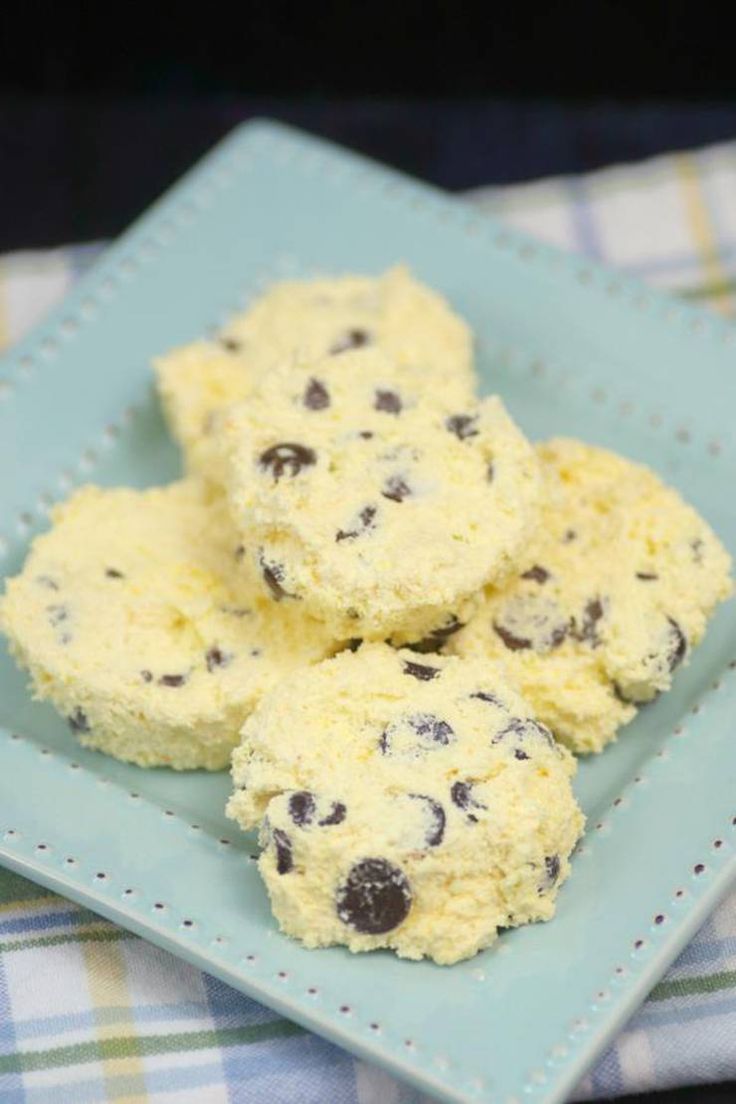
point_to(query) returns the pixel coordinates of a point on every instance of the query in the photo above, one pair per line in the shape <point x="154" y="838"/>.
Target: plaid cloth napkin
<point x="90" y="1013"/>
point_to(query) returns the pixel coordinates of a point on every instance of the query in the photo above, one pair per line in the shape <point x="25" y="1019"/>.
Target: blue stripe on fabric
<point x="676" y="1011"/>
<point x="95" y="1090"/>
<point x="295" y="1067"/>
<point x="64" y="1023"/>
<point x="686" y="1054"/>
<point x="302" y="1068"/>
<point x="11" y="1084"/>
<point x="11" y="1095"/>
<point x="219" y="1008"/>
<point x="229" y="1008"/>
<point x="583" y="223"/>
<point x="606" y="1078"/>
<point x="81" y="257"/>
<point x="44" y="921"/>
<point x="703" y="953"/>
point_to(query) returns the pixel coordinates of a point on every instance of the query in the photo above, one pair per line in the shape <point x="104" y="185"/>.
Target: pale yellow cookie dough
<point x="615" y="591"/>
<point x="194" y="382"/>
<point x="136" y="617"/>
<point x="381" y="511"/>
<point x="406" y="801"/>
<point x="306" y="319"/>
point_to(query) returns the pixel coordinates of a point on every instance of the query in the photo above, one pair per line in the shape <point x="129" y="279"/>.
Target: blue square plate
<point x="573" y="349"/>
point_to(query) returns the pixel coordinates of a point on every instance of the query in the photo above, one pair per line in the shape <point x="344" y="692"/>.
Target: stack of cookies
<point x="399" y="618"/>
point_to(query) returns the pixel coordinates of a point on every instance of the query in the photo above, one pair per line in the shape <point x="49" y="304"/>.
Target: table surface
<point x="72" y="170"/>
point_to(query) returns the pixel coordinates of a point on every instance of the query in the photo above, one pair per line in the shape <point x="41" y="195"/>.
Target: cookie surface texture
<point x="406" y="801"/>
<point x="382" y="510"/>
<point x="308" y="319"/>
<point x="616" y="591"/>
<point x="136" y="617"/>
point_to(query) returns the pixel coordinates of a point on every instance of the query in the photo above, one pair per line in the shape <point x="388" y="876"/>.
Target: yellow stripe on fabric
<point x="36" y="904"/>
<point x="701" y="226"/>
<point x="108" y="988"/>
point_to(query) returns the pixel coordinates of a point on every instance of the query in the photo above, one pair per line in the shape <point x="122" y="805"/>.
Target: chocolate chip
<point x="387" y="401"/>
<point x="415" y="734"/>
<point x="365" y="522"/>
<point x="231" y="344"/>
<point x="524" y="733"/>
<point x="316" y="396"/>
<point x="460" y="793"/>
<point x="366" y="435"/>
<point x="619" y="695"/>
<point x="551" y="872"/>
<point x="463" y="425"/>
<point x="113" y="573"/>
<point x="57" y="614"/>
<point x="421" y="671"/>
<point x="47" y="581"/>
<point x="302" y="807"/>
<point x="531" y="621"/>
<point x="678" y="645"/>
<point x="646" y="576"/>
<point x="274" y="575"/>
<point x="436" y="638"/>
<point x="172" y="680"/>
<point x="489" y="697"/>
<point x="336" y="815"/>
<point x="552" y="866"/>
<point x="147" y="676"/>
<point x="215" y="657"/>
<point x="513" y="643"/>
<point x="287" y="459"/>
<point x="353" y="644"/>
<point x="696" y="547"/>
<point x="536" y="574"/>
<point x="374" y="898"/>
<point x="462" y="796"/>
<point x="396" y="489"/>
<point x="450" y="627"/>
<point x="666" y="653"/>
<point x="284" y="856"/>
<point x="569" y="535"/>
<point x="436" y="819"/>
<point x="353" y="339"/>
<point x="588" y="630"/>
<point x="78" y="721"/>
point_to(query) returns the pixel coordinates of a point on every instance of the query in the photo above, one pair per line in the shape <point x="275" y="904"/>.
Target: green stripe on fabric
<point x="687" y="987"/>
<point x="109" y="934"/>
<point x="14" y="888"/>
<point x="713" y="290"/>
<point x="144" y="1046"/>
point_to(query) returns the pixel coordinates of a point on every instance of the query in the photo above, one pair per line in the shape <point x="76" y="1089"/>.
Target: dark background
<point x="102" y="106"/>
